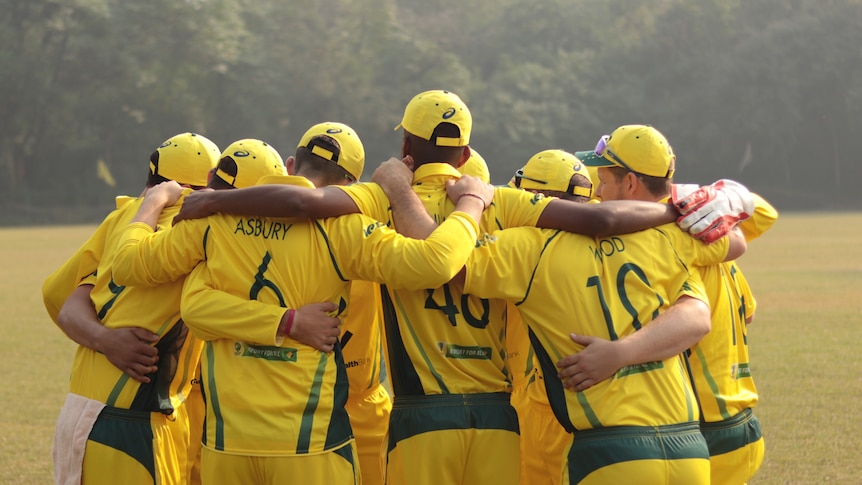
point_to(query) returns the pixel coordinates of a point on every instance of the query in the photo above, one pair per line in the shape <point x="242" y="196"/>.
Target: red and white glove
<point x="710" y="212"/>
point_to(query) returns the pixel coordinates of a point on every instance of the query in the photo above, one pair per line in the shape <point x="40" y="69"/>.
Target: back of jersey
<point x="260" y="395"/>
<point x="609" y="287"/>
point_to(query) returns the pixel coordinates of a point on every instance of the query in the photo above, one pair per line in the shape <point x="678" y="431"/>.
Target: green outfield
<point x="806" y="274"/>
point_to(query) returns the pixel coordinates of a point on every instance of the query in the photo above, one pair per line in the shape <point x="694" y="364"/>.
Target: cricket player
<point x="126" y="420"/>
<point x="719" y="362"/>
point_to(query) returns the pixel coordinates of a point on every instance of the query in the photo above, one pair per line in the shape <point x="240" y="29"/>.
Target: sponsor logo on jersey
<point x="357" y="362"/>
<point x="454" y="351"/>
<point x="266" y="352"/>
<point x="639" y="368"/>
<point x="740" y="371"/>
<point x="372" y="227"/>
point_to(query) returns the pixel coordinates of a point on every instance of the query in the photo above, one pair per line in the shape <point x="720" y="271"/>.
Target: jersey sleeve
<point x="692" y="251"/>
<point x="517" y="208"/>
<point x="492" y="269"/>
<point x="747" y="296"/>
<point x="763" y="218"/>
<point x="371" y="200"/>
<point x="385" y="256"/>
<point x="148" y="258"/>
<point x="83" y="263"/>
<point x="694" y="288"/>
<point x="215" y="314"/>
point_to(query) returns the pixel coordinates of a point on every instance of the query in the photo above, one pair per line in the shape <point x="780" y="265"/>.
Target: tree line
<point x="768" y="92"/>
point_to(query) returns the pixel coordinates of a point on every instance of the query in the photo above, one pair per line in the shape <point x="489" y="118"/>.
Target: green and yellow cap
<point x="638" y="148"/>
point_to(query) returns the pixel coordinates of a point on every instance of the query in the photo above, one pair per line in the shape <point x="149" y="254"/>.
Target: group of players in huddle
<point x="585" y="324"/>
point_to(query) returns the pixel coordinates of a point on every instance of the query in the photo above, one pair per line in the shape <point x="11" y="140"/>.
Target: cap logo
<point x="577" y="167"/>
<point x="240" y="153"/>
<point x="449" y="113"/>
<point x="165" y="144"/>
<point x="333" y="131"/>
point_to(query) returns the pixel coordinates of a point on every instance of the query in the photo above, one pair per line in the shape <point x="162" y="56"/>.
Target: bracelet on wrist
<point x="468" y="194"/>
<point x="288" y="324"/>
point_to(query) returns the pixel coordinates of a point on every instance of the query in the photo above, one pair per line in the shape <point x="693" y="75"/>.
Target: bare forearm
<point x="410" y="217"/>
<point x="607" y="218"/>
<point x="149" y="212"/>
<point x="671" y="333"/>
<point x="283" y="201"/>
<point x="78" y="318"/>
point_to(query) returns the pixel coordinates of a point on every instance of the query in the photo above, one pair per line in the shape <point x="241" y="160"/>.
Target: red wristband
<point x="287" y="326"/>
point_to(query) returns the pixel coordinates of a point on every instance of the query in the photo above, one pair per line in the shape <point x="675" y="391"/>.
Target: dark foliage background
<point x="768" y="92"/>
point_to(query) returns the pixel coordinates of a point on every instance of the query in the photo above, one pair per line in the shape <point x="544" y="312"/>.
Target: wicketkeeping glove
<point x="710" y="212"/>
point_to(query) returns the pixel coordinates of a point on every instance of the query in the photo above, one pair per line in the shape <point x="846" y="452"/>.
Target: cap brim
<point x="590" y="159"/>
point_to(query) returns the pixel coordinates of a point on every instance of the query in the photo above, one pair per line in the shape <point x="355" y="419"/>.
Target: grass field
<point x="806" y="274"/>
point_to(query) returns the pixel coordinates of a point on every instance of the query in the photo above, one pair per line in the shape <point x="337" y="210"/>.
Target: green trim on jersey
<point x="538" y="261"/>
<point x="124" y="379"/>
<point x="443" y="412"/>
<point x="339" y="422"/>
<point x="304" y="439"/>
<point x="213" y="399"/>
<point x="405" y="382"/>
<point x="329" y="249"/>
<point x="731" y="434"/>
<point x="597" y="448"/>
<point x="691" y="398"/>
<point x="554" y="386"/>
<point x="126" y="431"/>
<point x="204" y="242"/>
<point x="713" y="386"/>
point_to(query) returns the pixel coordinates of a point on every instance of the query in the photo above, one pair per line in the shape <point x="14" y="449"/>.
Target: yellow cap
<point x="552" y="170"/>
<point x="476" y="166"/>
<point x="186" y="159"/>
<point x="427" y="110"/>
<point x="349" y="155"/>
<point x="638" y="148"/>
<point x="244" y="162"/>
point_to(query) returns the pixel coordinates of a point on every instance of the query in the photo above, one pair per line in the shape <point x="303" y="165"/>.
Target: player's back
<point x="720" y="361"/>
<point x="119" y="306"/>
<point x="299" y="392"/>
<point x="607" y="287"/>
<point x="442" y="341"/>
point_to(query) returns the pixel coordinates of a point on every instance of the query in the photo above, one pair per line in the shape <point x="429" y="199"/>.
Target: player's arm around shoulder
<point x="400" y="262"/>
<point x="85" y="261"/>
<point x="606" y="219"/>
<point x="765" y="215"/>
<point x="146" y="256"/>
<point x="509" y="255"/>
<point x="699" y="253"/>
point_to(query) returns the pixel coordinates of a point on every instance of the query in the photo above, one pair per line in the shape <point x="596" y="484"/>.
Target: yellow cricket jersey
<point x="268" y="396"/>
<point x="610" y="287"/>
<point x="720" y="361"/>
<point x="519" y="353"/>
<point x="442" y="340"/>
<point x="362" y="338"/>
<point x="156" y="309"/>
